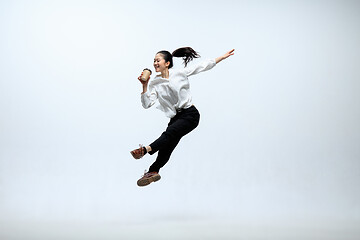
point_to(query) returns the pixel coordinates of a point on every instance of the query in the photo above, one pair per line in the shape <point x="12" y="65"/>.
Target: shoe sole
<point x="146" y="181"/>
<point x="134" y="156"/>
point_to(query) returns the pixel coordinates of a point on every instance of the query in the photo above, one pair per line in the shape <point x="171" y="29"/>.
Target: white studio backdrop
<point x="277" y="144"/>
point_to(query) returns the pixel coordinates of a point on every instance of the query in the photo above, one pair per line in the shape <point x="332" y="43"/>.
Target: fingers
<point x="230" y="53"/>
<point x="140" y="76"/>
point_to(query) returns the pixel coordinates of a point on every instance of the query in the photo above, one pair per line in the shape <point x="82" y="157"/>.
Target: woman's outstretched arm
<point x="226" y="55"/>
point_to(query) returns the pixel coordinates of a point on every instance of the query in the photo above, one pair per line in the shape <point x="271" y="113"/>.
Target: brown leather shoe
<point x="148" y="178"/>
<point x="138" y="153"/>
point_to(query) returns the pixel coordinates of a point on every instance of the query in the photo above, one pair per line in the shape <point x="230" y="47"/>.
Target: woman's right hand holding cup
<point x="145" y="76"/>
<point x="142" y="82"/>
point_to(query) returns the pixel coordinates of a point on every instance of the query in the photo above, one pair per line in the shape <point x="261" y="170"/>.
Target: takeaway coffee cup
<point x="146" y="75"/>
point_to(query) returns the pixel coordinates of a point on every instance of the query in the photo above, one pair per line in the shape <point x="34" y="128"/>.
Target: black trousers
<point x="181" y="124"/>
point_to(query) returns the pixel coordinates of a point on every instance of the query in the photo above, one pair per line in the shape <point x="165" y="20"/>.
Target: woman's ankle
<point x="148" y="149"/>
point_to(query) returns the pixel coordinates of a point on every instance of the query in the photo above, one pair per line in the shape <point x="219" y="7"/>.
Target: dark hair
<point x="187" y="54"/>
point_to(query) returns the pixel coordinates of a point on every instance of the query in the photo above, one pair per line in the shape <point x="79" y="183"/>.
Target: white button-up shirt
<point x="173" y="93"/>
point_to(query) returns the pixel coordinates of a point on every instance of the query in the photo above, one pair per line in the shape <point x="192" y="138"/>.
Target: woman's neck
<point x="165" y="73"/>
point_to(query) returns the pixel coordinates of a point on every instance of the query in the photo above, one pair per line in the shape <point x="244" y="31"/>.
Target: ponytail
<point x="187" y="54"/>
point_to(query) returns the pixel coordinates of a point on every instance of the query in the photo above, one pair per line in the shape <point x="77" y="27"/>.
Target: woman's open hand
<point x="226" y="55"/>
<point x="229" y="53"/>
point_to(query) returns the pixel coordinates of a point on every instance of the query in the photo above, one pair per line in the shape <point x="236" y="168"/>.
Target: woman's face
<point x="159" y="63"/>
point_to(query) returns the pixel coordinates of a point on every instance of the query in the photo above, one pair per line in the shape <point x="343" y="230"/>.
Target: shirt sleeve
<point x="201" y="67"/>
<point x="148" y="98"/>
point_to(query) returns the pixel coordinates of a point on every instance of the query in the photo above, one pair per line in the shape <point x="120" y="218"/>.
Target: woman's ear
<point x="167" y="64"/>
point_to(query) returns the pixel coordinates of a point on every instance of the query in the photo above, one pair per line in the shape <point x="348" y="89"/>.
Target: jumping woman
<point x="171" y="89"/>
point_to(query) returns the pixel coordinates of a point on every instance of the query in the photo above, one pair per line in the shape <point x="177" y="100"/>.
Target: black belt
<point x="179" y="110"/>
